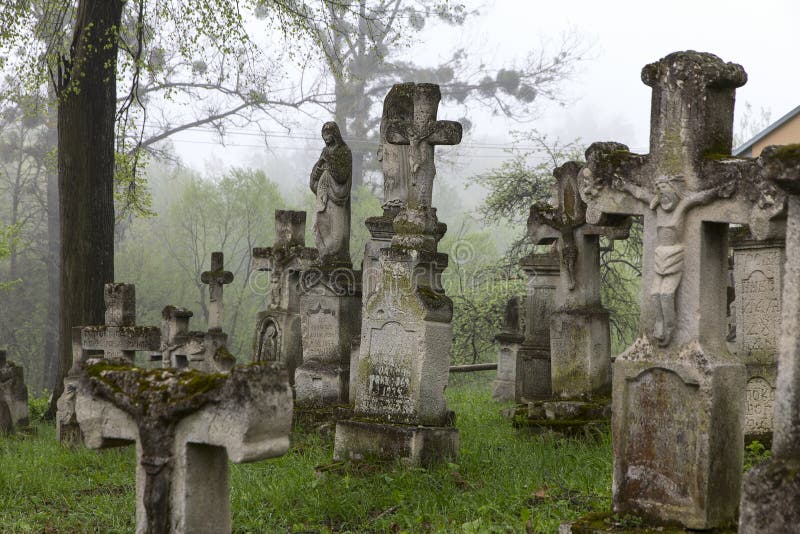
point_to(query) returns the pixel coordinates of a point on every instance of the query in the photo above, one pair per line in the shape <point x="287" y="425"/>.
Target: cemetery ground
<point x="504" y="480"/>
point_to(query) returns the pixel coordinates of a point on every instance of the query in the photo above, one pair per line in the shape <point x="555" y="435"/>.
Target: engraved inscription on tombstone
<point x="760" y="405"/>
<point x="388" y="390"/>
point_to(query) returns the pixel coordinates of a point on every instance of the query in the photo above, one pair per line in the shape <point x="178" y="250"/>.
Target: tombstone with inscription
<point x="120" y="337"/>
<point x="758" y="276"/>
<point x="532" y="375"/>
<point x="400" y="408"/>
<point x="330" y="291"/>
<point x="186" y="426"/>
<point x="771" y="490"/>
<point x="204" y="351"/>
<point x="277" y="335"/>
<point x="678" y="403"/>
<point x="509" y="340"/>
<point x="13" y="396"/>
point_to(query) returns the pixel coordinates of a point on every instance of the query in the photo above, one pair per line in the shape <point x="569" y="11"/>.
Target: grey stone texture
<point x="204" y="351"/>
<point x="678" y="403"/>
<point x="758" y="281"/>
<point x="186" y="426"/>
<point x="330" y="316"/>
<point x="406" y="333"/>
<point x="771" y="490"/>
<point x="331" y="180"/>
<point x="533" y="367"/>
<point x="13" y="396"/>
<point x="278" y="335"/>
<point x="509" y="341"/>
<point x="580" y="336"/>
<point x="120" y="337"/>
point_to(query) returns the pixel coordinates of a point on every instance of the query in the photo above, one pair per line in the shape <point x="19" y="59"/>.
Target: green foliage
<point x="502" y="481"/>
<point x="38" y="405"/>
<point x="9" y="237"/>
<point x="754" y="453"/>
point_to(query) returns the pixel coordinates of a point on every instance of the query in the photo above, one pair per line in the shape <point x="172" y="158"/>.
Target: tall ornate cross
<point x="423" y="133"/>
<point x="677" y="392"/>
<point x="216" y="279"/>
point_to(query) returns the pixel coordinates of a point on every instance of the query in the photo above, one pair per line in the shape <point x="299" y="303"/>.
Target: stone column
<point x="185" y="440"/>
<point x="533" y="372"/>
<point x="509" y="340"/>
<point x="771" y="490"/>
<point x="758" y="281"/>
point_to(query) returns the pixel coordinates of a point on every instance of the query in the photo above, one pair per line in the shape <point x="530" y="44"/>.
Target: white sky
<point x="607" y="100"/>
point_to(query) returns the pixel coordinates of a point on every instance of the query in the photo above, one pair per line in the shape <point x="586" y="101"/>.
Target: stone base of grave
<point x="571" y="418"/>
<point x="505" y="387"/>
<point x="610" y="523"/>
<point x="580" y="342"/>
<point x="676" y="422"/>
<point x="68" y="431"/>
<point x="760" y="403"/>
<point x="770" y="494"/>
<point x="412" y="445"/>
<point x="286" y="343"/>
<point x="533" y="373"/>
<point x="318" y="384"/>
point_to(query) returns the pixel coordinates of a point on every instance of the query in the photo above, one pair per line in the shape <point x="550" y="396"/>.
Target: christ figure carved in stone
<point x="331" y="180"/>
<point x="671" y="206"/>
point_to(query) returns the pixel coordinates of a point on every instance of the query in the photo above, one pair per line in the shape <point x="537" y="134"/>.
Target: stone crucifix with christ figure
<point x="677" y="392"/>
<point x="580" y="338"/>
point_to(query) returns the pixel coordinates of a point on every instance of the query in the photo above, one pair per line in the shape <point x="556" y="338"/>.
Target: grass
<point x="503" y="481"/>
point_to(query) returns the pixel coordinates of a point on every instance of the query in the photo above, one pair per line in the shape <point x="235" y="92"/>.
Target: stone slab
<point x="412" y="445"/>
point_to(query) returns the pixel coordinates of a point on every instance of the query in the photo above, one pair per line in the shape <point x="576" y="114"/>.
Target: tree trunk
<point x="87" y="96"/>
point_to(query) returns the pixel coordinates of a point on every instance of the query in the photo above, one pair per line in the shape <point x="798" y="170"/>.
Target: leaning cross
<point x="677" y="392"/>
<point x="186" y="426"/>
<point x="216" y="279"/>
<point x="423" y="133"/>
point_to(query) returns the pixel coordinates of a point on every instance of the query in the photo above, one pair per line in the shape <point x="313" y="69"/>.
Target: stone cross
<point x="422" y="134"/>
<point x="119" y="337"/>
<point x="771" y="490"/>
<point x="580" y="339"/>
<point x="186" y="426"/>
<point x="677" y="392"/>
<point x="216" y="279"/>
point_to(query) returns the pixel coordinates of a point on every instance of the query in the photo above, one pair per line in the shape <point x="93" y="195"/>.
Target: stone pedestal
<point x="185" y="440"/>
<point x="278" y="332"/>
<point x="580" y="342"/>
<point x="677" y="428"/>
<point x="507" y="381"/>
<point x="13" y="397"/>
<point x="330" y="315"/>
<point x="758" y="281"/>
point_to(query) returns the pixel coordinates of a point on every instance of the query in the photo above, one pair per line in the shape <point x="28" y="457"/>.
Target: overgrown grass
<point x="503" y="481"/>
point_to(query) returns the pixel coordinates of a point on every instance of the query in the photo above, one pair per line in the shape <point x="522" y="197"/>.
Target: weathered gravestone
<point x="278" y="336"/>
<point x="330" y="292"/>
<point x="403" y="363"/>
<point x="120" y="337"/>
<point x="533" y="377"/>
<point x="758" y="280"/>
<point x="509" y="341"/>
<point x="186" y="425"/>
<point x="13" y="396"/>
<point x="678" y="403"/>
<point x="771" y="490"/>
<point x="204" y="351"/>
<point x="580" y="338"/>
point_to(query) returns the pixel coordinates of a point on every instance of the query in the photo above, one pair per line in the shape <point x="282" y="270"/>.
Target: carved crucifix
<point x="422" y="134"/>
<point x="677" y="391"/>
<point x="577" y="242"/>
<point x="216" y="279"/>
